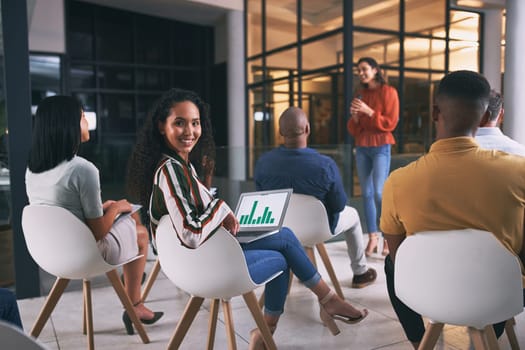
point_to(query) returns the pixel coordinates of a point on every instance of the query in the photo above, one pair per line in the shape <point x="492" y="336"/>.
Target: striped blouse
<point x="177" y="191"/>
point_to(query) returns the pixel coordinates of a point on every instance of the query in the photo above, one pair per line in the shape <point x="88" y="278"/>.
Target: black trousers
<point x="411" y="321"/>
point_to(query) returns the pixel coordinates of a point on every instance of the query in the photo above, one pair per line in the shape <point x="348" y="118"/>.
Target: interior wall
<point x="46" y="26"/>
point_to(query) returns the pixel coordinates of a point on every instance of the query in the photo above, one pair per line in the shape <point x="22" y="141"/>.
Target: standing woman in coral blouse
<point x="374" y="115"/>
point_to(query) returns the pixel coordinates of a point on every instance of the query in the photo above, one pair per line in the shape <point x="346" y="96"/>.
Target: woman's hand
<point x="231" y="224"/>
<point x="121" y="206"/>
<point x="358" y="106"/>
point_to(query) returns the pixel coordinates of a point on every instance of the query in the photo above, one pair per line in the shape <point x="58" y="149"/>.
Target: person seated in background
<point x="57" y="176"/>
<point x="163" y="178"/>
<point x="295" y="165"/>
<point x="489" y="134"/>
<point x="454" y="186"/>
<point x="9" y="308"/>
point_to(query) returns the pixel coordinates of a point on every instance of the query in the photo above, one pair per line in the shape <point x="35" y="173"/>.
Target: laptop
<point x="261" y="213"/>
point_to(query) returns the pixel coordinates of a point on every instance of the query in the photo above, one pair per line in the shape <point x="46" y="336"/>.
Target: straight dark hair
<point x="56" y="133"/>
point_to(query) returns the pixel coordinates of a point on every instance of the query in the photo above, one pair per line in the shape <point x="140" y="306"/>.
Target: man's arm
<point x="393" y="243"/>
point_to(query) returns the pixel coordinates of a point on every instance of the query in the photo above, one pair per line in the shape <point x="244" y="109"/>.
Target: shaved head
<point x="294" y="127"/>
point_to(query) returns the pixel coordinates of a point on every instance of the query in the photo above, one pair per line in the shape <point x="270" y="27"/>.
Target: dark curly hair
<point x="373" y="63"/>
<point x="150" y="144"/>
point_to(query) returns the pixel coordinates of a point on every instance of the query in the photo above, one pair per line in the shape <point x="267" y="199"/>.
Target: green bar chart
<point x="250" y="219"/>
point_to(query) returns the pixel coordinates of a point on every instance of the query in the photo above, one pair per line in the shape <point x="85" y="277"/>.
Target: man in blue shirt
<point x="295" y="165"/>
<point x="489" y="135"/>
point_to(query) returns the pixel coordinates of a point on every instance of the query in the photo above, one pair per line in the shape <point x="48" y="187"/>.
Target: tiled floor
<point x="299" y="327"/>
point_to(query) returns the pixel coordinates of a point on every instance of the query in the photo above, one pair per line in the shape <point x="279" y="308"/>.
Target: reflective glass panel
<point x="425" y="53"/>
<point x="379" y="14"/>
<point x="323" y="53"/>
<point x="425" y="17"/>
<point x="382" y="47"/>
<point x="464" y="40"/>
<point x="45" y="77"/>
<point x="115" y="77"/>
<point x="281" y="23"/>
<point x="253" y="27"/>
<point x="321" y="16"/>
<point x="282" y="59"/>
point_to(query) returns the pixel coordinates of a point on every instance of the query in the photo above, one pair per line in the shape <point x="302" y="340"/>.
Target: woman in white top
<point x="57" y="176"/>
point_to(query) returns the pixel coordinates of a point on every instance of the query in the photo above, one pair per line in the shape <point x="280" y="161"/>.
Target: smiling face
<point x="366" y="73"/>
<point x="182" y="128"/>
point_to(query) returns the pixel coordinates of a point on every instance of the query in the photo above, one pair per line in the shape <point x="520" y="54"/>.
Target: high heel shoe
<point x="371" y="247"/>
<point x="129" y="325"/>
<point x="256" y="338"/>
<point x="329" y="320"/>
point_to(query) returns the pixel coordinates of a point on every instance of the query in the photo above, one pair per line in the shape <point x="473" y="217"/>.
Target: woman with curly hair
<point x="160" y="173"/>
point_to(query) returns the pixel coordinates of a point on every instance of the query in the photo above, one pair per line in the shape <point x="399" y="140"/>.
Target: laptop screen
<point x="262" y="210"/>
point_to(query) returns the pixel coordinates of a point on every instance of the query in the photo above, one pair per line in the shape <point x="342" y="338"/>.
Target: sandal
<point x="329" y="320"/>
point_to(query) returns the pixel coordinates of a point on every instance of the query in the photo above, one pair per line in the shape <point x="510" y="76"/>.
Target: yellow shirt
<point x="458" y="185"/>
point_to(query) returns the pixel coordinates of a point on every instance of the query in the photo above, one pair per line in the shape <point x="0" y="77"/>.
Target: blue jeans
<point x="9" y="308"/>
<point x="278" y="252"/>
<point x="373" y="166"/>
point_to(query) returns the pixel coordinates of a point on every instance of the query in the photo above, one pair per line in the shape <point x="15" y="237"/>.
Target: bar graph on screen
<point x="265" y="218"/>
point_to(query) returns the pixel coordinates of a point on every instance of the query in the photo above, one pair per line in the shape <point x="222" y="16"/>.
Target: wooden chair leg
<point x="151" y="279"/>
<point x="212" y="324"/>
<point x="310" y="252"/>
<point x="431" y="336"/>
<point x="228" y="320"/>
<point x="192" y="307"/>
<point x="89" y="314"/>
<point x="261" y="301"/>
<point x="49" y="305"/>
<point x="251" y="302"/>
<point x="329" y="268"/>
<point x="478" y="339"/>
<point x="490" y="336"/>
<point x="511" y="334"/>
<point x="84" y="326"/>
<point x="128" y="306"/>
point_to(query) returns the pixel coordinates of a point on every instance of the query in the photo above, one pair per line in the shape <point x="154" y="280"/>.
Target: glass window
<point x="425" y="53"/>
<point x="324" y="103"/>
<point x="321" y="16"/>
<point x="152" y="40"/>
<point x="80" y="33"/>
<point x="144" y="104"/>
<point x="45" y="77"/>
<point x="281" y="23"/>
<point x="323" y="53"/>
<point x="255" y="71"/>
<point x="82" y="76"/>
<point x="382" y="47"/>
<point x="425" y="17"/>
<point x="464" y="40"/>
<point x="115" y="78"/>
<point x="190" y="79"/>
<point x="117" y="113"/>
<point x="282" y="59"/>
<point x="253" y="27"/>
<point x="379" y="14"/>
<point x="153" y="79"/>
<point x="114" y="30"/>
<point x="191" y="44"/>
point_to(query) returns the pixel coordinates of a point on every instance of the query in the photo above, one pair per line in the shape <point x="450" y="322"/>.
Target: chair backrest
<point x="462" y="277"/>
<point x="306" y="217"/>
<point x="61" y="244"/>
<point x="216" y="269"/>
<point x="14" y="338"/>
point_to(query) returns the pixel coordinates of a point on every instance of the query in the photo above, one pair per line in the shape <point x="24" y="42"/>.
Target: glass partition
<point x="321" y="16"/>
<point x="281" y="23"/>
<point x="380" y="14"/>
<point x="384" y="48"/>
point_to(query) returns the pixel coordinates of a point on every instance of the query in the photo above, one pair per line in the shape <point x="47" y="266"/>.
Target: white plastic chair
<point x="306" y="217"/>
<point x="460" y="277"/>
<point x="12" y="337"/>
<point x="64" y="246"/>
<point x="216" y="270"/>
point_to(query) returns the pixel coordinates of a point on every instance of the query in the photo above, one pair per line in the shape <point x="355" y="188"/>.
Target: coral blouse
<point x="376" y="130"/>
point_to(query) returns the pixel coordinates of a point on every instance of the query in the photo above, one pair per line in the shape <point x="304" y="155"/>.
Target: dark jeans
<point x="9" y="308"/>
<point x="410" y="320"/>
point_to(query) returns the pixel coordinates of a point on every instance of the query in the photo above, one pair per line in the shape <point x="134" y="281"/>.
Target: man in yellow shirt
<point x="456" y="185"/>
